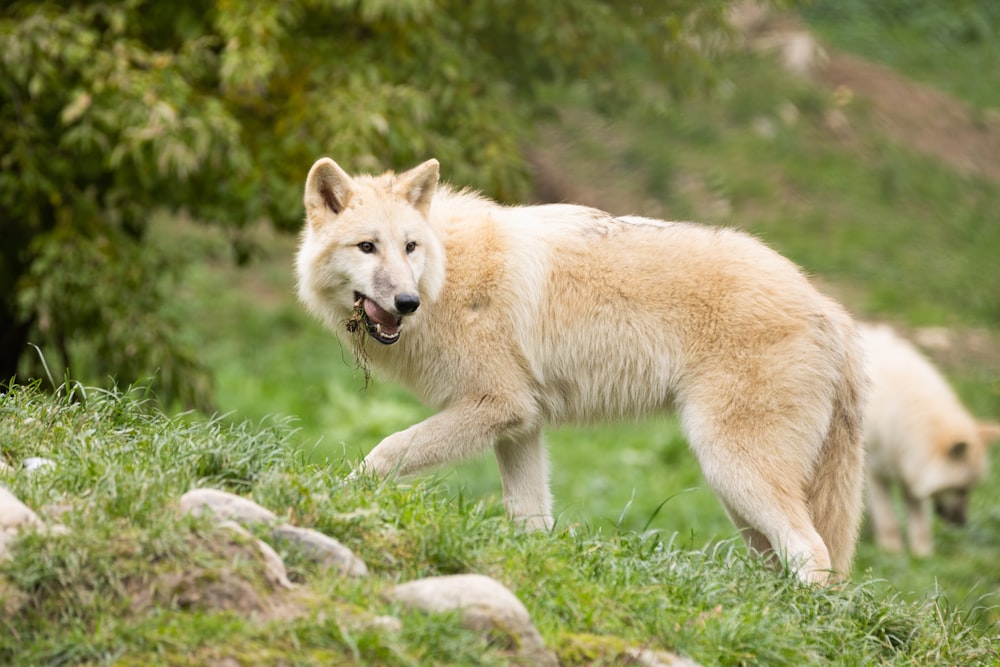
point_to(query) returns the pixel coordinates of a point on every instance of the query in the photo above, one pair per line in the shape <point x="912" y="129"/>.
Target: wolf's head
<point x="368" y="255"/>
<point x="960" y="461"/>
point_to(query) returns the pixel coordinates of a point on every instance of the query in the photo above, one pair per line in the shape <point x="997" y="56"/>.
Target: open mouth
<point x="381" y="325"/>
<point x="952" y="506"/>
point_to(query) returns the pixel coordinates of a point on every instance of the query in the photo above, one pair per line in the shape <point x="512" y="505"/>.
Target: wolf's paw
<point x="368" y="468"/>
<point x="359" y="472"/>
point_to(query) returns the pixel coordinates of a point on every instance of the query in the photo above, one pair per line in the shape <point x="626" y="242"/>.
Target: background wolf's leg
<point x="885" y="524"/>
<point x="524" y="472"/>
<point x="918" y="525"/>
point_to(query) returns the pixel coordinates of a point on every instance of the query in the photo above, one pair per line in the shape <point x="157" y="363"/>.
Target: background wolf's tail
<point x="836" y="493"/>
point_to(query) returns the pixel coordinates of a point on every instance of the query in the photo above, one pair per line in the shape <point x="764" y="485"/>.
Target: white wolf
<point x="919" y="437"/>
<point x="511" y="318"/>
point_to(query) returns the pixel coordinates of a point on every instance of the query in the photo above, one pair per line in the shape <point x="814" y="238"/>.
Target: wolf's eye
<point x="410" y="247"/>
<point x="366" y="247"/>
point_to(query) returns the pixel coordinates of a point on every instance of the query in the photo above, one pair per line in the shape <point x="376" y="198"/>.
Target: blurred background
<point x="152" y="159"/>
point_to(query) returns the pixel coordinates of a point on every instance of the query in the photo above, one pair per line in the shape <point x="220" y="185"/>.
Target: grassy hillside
<point x="135" y="583"/>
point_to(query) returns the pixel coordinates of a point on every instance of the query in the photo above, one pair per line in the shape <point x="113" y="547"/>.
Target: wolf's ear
<point x="418" y="184"/>
<point x="328" y="187"/>
<point x="989" y="432"/>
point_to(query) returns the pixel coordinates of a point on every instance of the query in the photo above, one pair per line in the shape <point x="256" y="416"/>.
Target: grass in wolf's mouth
<point x="358" y="328"/>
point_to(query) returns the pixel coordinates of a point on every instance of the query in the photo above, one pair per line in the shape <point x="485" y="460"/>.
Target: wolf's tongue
<point x="381" y="316"/>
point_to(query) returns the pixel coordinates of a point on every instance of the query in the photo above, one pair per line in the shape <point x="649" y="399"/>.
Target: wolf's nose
<point x="407" y="303"/>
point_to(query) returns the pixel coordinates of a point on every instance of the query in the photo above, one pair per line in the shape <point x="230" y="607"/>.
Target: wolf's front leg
<point x="524" y="473"/>
<point x="432" y="442"/>
<point x="459" y="431"/>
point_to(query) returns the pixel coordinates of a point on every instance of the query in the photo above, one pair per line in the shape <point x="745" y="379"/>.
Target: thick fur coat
<point x="507" y="319"/>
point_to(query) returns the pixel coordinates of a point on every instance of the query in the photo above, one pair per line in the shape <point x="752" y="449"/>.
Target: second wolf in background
<point x="919" y="437"/>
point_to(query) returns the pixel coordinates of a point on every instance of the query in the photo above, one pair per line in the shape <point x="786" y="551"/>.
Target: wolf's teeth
<point x="378" y="328"/>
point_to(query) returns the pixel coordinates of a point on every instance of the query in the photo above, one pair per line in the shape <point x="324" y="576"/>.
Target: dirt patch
<point x="960" y="349"/>
<point x="924" y="118"/>
<point x="200" y="589"/>
<point x="595" y="181"/>
<point x="245" y="589"/>
<point x="920" y="116"/>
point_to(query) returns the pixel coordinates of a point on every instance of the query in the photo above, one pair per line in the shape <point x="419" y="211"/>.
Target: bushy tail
<point x="836" y="493"/>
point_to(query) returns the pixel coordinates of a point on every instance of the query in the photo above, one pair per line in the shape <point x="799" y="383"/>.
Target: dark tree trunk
<point x="15" y="327"/>
<point x="13" y="343"/>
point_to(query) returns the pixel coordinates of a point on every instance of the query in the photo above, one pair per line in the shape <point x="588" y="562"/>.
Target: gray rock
<point x="14" y="514"/>
<point x="389" y="624"/>
<point x="226" y="506"/>
<point x="33" y="463"/>
<point x="485" y="605"/>
<point x="647" y="658"/>
<point x="322" y="549"/>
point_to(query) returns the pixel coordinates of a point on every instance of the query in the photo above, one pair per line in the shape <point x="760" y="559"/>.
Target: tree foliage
<point x="113" y="111"/>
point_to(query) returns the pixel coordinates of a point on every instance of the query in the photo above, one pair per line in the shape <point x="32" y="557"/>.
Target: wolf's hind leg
<point x="524" y="473"/>
<point x="757" y="543"/>
<point x="773" y="516"/>
<point x="787" y="536"/>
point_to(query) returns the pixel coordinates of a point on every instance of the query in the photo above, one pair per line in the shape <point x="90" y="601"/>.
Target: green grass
<point x="128" y="585"/>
